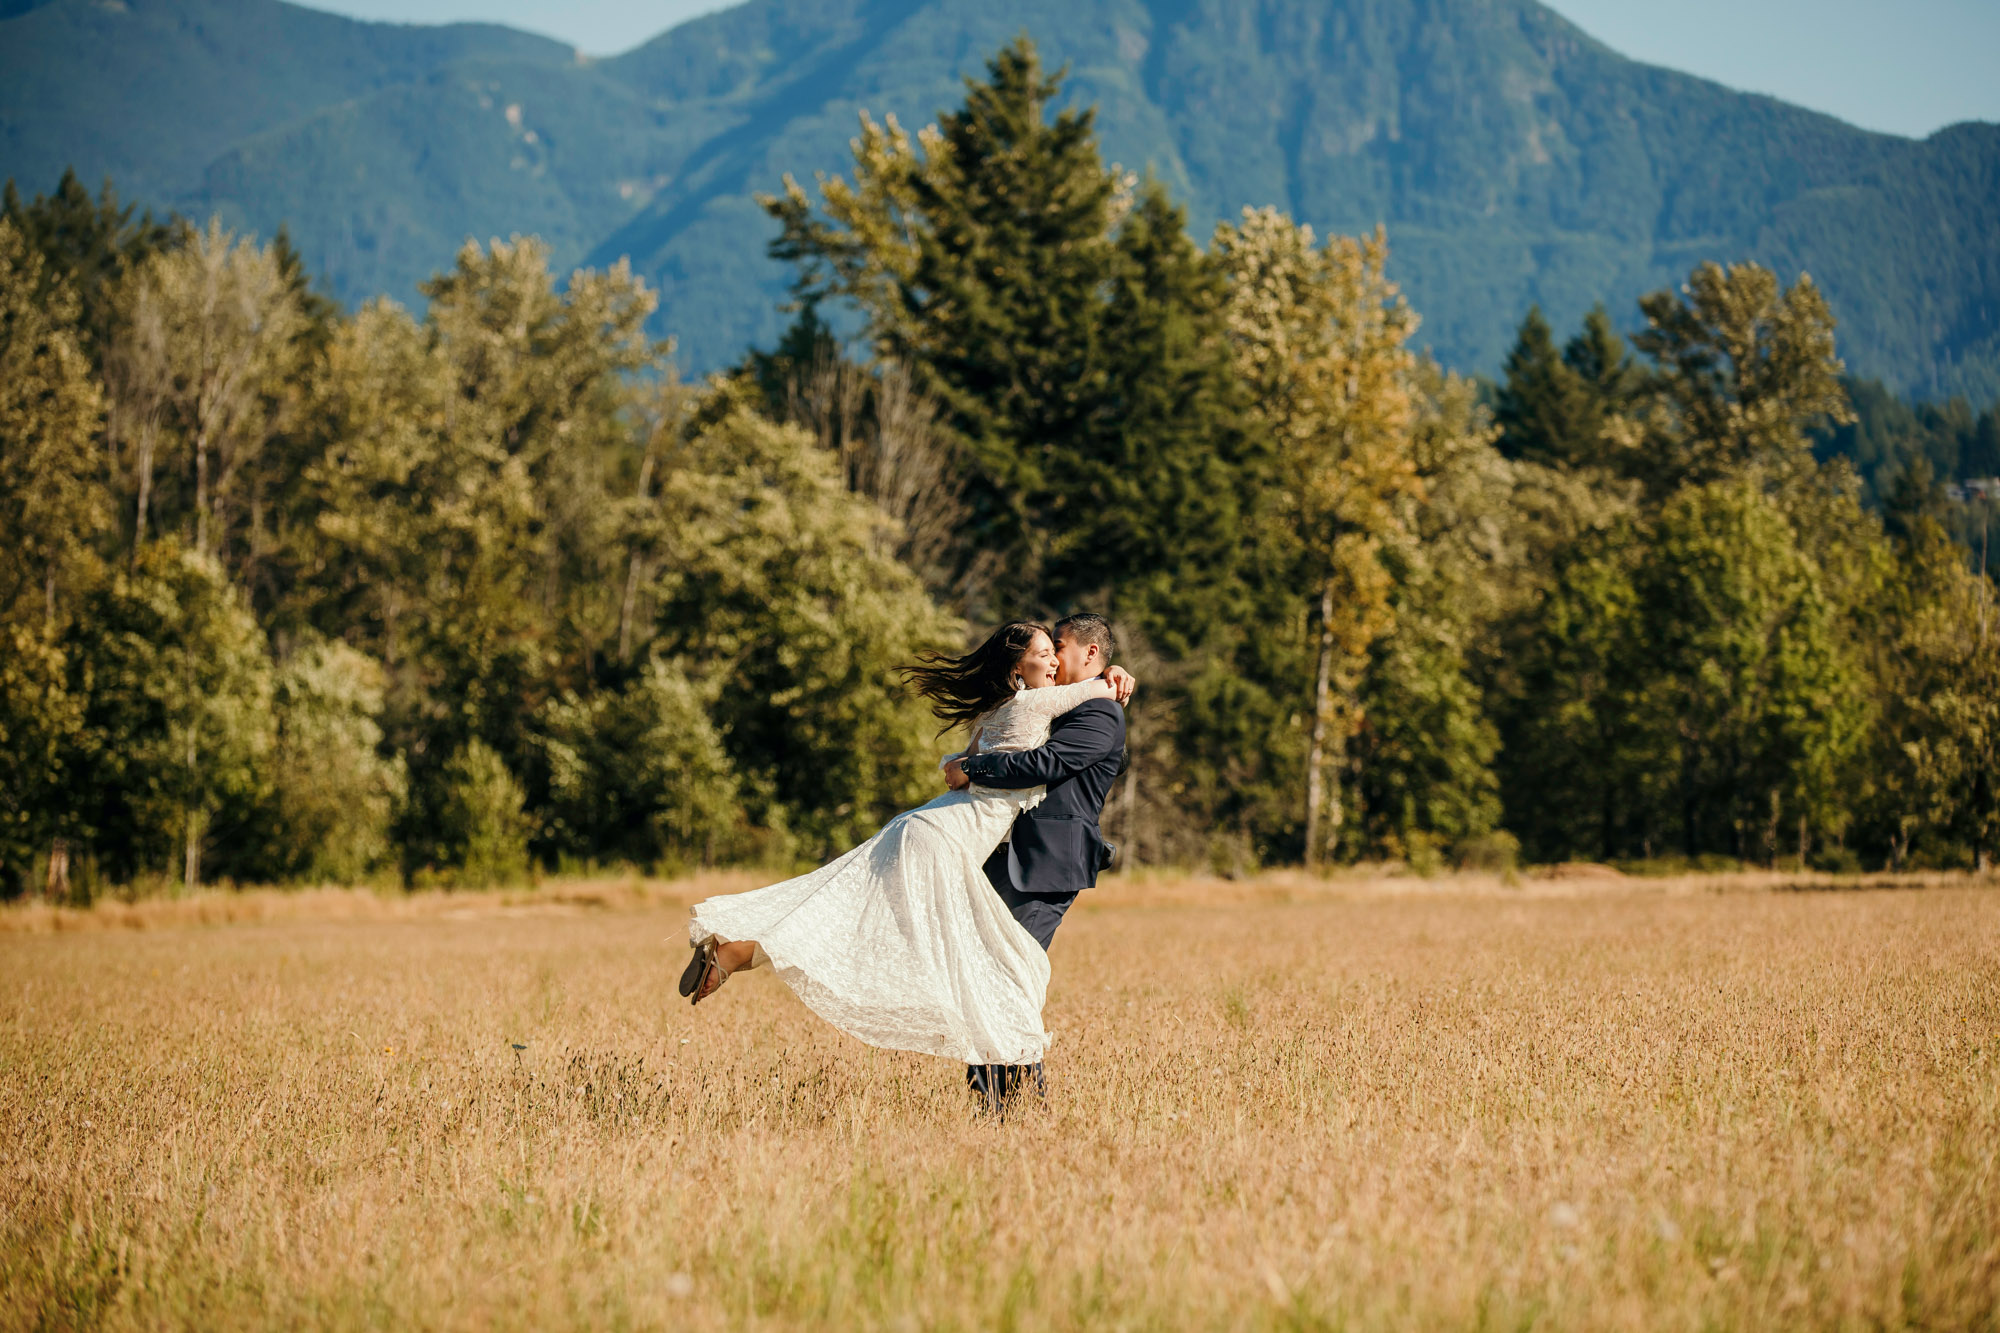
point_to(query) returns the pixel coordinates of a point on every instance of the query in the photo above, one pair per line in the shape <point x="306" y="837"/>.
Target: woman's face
<point x="1038" y="664"/>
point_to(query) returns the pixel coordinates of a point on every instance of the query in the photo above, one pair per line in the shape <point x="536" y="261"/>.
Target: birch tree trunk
<point x="632" y="576"/>
<point x="201" y="491"/>
<point x="191" y="865"/>
<point x="148" y="434"/>
<point x="57" y="887"/>
<point x="634" y="568"/>
<point x="1129" y="802"/>
<point x="1322" y="722"/>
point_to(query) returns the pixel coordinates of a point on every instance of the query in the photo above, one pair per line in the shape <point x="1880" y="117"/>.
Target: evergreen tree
<point x="1582" y="770"/>
<point x="1555" y="409"/>
<point x="781" y="373"/>
<point x="88" y="245"/>
<point x="1887" y="439"/>
<point x="980" y="265"/>
<point x="1075" y="340"/>
<point x="1598" y="356"/>
<point x="1158" y="494"/>
<point x="1915" y="499"/>
<point x="1542" y="407"/>
<point x="1072" y="336"/>
<point x="1981" y="457"/>
<point x="318" y="310"/>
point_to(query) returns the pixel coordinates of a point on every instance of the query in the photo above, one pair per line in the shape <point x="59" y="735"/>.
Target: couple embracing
<point x="932" y="936"/>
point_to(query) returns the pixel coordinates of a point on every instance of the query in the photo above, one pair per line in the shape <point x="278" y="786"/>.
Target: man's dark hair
<point x="1089" y="627"/>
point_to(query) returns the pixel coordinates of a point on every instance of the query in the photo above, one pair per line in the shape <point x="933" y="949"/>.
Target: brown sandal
<point x="700" y="969"/>
<point x="697" y="968"/>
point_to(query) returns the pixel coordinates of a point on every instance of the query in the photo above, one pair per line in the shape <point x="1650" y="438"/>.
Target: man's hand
<point x="954" y="776"/>
<point x="1121" y="681"/>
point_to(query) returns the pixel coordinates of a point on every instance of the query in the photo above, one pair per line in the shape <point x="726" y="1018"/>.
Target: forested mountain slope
<point x="151" y="91"/>
<point x="1513" y="158"/>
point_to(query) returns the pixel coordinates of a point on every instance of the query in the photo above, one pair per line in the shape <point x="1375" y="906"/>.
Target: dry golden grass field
<point x="1573" y="1104"/>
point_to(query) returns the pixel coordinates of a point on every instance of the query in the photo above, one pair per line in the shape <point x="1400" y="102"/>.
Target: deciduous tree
<point x="175" y="679"/>
<point x="1321" y="340"/>
<point x="53" y="501"/>
<point x="203" y="331"/>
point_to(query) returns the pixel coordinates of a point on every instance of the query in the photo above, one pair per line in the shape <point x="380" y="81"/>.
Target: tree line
<point x="294" y="594"/>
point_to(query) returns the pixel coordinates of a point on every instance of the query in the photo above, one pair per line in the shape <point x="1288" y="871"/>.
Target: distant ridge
<point x="1513" y="158"/>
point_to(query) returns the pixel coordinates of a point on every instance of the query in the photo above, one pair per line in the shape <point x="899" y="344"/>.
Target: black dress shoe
<point x="998" y="1086"/>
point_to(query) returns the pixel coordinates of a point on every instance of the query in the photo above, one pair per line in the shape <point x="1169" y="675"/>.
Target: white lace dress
<point x="902" y="942"/>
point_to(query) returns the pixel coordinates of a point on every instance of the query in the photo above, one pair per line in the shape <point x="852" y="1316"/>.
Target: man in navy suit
<point x="1056" y="849"/>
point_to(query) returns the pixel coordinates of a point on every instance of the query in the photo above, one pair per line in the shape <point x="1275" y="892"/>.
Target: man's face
<point x="1076" y="660"/>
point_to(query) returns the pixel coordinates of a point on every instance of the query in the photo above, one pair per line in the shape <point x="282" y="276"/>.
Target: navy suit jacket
<point x="1056" y="844"/>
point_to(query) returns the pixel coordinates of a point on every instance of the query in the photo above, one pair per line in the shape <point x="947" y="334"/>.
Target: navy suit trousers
<point x="1039" y="915"/>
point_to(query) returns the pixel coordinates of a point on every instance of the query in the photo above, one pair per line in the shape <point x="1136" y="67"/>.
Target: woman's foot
<point x="711" y="981"/>
<point x="712" y="964"/>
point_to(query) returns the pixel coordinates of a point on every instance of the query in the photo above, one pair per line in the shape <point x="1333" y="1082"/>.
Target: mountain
<point x="150" y="93"/>
<point x="1513" y="158"/>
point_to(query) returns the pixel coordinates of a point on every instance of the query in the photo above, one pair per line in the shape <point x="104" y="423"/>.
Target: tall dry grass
<point x="1274" y="1105"/>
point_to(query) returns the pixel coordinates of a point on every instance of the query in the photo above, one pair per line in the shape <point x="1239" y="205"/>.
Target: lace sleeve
<point x="1055" y="700"/>
<point x="971" y="748"/>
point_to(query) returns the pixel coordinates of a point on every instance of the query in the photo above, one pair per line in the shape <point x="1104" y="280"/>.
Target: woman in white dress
<point x="902" y="942"/>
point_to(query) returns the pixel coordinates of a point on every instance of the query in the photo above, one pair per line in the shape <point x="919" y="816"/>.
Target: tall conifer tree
<point x="1152" y="500"/>
<point x="1543" y="406"/>
<point x="1071" y="332"/>
<point x="87" y="244"/>
<point x="981" y="264"/>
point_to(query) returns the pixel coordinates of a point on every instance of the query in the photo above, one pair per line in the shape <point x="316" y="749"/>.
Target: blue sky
<point x="1907" y="67"/>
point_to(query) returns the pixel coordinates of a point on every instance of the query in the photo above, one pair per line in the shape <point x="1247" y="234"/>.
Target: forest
<point x="290" y="593"/>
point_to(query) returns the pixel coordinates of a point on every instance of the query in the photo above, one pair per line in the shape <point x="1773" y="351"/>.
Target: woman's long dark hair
<point x="962" y="689"/>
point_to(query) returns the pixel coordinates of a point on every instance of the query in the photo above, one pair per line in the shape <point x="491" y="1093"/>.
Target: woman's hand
<point x="1121" y="681"/>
